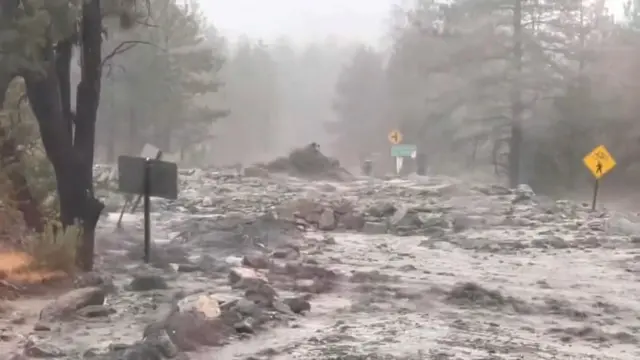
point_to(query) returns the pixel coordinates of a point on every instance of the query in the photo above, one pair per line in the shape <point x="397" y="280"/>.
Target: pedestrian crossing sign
<point x="599" y="161"/>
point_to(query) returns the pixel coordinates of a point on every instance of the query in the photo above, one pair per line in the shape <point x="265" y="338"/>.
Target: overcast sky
<point x="303" y="20"/>
<point x="300" y="19"/>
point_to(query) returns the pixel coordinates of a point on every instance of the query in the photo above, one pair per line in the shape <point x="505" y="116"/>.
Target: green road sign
<point x="404" y="150"/>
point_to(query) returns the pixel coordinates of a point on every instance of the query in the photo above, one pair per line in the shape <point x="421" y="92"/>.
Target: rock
<point x="244" y="327"/>
<point x="374" y="228"/>
<point x="67" y="304"/>
<point x="256" y="171"/>
<point x="246" y="307"/>
<point x="299" y="304"/>
<point x="399" y="215"/>
<point x="382" y="210"/>
<point x="207" y="305"/>
<point x="256" y="261"/>
<point x="557" y="242"/>
<point x="94" y="279"/>
<point x="327" y="220"/>
<point x="287" y="253"/>
<point x="307" y="285"/>
<point x="342" y="207"/>
<point x="189" y="331"/>
<point x="41" y="326"/>
<point x="523" y="193"/>
<point x="156" y="346"/>
<point x="464" y="222"/>
<point x="42" y="350"/>
<point x="17" y="318"/>
<point x="188" y="268"/>
<point x="352" y="221"/>
<point x="308" y="210"/>
<point x="261" y="293"/>
<point x="17" y="357"/>
<point x="239" y="274"/>
<point x="93" y="311"/>
<point x="147" y="282"/>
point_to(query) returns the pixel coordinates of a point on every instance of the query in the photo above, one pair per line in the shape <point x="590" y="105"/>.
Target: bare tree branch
<point x="124" y="47"/>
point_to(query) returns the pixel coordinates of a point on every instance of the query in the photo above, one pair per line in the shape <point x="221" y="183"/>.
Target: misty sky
<point x="301" y="20"/>
<point x="304" y="20"/>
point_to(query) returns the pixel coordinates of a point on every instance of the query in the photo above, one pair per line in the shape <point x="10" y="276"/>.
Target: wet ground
<point x="424" y="268"/>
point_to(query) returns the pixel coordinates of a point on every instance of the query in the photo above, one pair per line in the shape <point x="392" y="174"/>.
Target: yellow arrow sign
<point x="395" y="137"/>
<point x="599" y="161"/>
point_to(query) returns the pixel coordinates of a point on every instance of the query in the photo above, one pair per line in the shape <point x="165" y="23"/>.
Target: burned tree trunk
<point x="88" y="99"/>
<point x="71" y="153"/>
<point x="515" y="141"/>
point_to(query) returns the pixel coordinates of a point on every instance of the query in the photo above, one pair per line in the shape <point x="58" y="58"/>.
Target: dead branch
<point x="124" y="47"/>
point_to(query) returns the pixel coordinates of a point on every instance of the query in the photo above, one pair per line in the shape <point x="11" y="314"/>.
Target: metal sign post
<point x="147" y="177"/>
<point x="147" y="211"/>
<point x="402" y="151"/>
<point x="599" y="161"/>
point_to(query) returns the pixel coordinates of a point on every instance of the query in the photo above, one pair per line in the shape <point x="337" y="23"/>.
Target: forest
<point x="518" y="91"/>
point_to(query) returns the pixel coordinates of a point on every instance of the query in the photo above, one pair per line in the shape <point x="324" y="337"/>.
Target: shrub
<point x="55" y="249"/>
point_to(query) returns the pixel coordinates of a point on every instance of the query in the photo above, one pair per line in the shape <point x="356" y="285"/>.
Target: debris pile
<point x="307" y="162"/>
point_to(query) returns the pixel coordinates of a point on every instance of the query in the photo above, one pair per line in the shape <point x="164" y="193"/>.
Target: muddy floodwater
<point x="276" y="267"/>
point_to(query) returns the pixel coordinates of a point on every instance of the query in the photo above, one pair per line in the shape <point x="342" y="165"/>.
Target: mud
<point x="441" y="269"/>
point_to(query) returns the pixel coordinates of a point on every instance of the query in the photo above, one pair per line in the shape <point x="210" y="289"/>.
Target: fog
<point x="246" y="81"/>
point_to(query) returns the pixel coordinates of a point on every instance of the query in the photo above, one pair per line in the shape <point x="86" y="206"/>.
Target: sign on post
<point x="148" y="151"/>
<point x="395" y="137"/>
<point x="147" y="177"/>
<point x="404" y="150"/>
<point x="599" y="161"/>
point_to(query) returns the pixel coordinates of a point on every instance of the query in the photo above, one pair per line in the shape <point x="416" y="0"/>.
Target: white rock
<point x="244" y="273"/>
<point x="207" y="305"/>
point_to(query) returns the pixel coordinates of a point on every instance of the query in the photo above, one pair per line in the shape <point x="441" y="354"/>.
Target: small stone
<point x="244" y="327"/>
<point x="298" y="304"/>
<point x="70" y="302"/>
<point x="352" y="221"/>
<point x="42" y="351"/>
<point x="256" y="261"/>
<point x="374" y="228"/>
<point x="18" y="318"/>
<point x="288" y="253"/>
<point x="246" y="307"/>
<point x="327" y="221"/>
<point x="93" y="311"/>
<point x="147" y="282"/>
<point x="238" y="274"/>
<point x="41" y="326"/>
<point x="188" y="268"/>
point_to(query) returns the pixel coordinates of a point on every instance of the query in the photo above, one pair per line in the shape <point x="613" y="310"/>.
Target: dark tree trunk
<point x="515" y="142"/>
<point x="10" y="161"/>
<point x="64" y="52"/>
<point x="72" y="156"/>
<point x="88" y="99"/>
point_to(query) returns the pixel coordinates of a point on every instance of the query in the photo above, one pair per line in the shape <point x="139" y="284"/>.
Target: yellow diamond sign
<point x="599" y="161"/>
<point x="395" y="137"/>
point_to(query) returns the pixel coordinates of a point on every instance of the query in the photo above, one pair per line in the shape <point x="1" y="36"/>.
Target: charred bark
<point x="88" y="99"/>
<point x="71" y="154"/>
<point x="517" y="108"/>
<point x="64" y="52"/>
